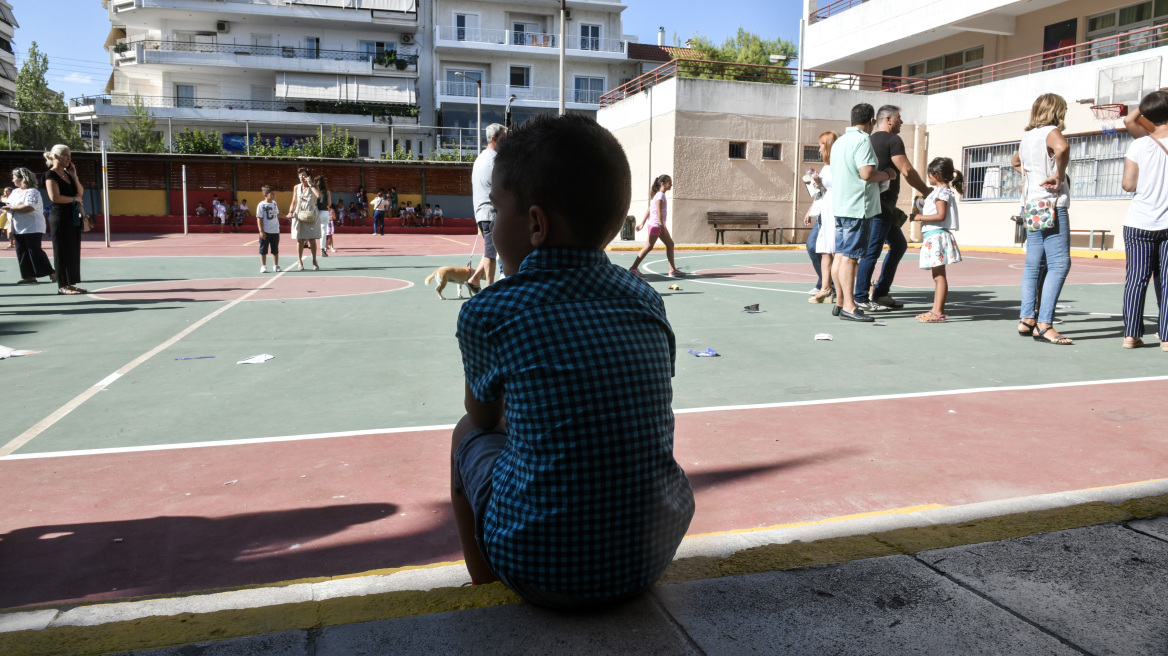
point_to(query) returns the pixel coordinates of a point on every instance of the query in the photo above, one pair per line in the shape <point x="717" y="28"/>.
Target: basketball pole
<point x="797" y="154"/>
<point x="105" y="191"/>
<point x="186" y="230"/>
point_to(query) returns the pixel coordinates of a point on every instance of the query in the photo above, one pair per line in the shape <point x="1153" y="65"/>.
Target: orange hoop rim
<point x="1108" y="112"/>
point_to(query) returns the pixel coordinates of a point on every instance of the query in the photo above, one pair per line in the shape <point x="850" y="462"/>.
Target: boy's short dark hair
<point x="265" y="190"/>
<point x="572" y="167"/>
<point x="1155" y="107"/>
<point x="862" y="113"/>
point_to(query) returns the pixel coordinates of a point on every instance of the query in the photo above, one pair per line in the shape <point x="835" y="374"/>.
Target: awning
<point x="385" y="90"/>
<point x="302" y="86"/>
<point x="115" y="34"/>
<point x="346" y="88"/>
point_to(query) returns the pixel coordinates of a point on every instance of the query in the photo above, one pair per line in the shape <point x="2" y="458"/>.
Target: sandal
<point x="299" y="266"/>
<point x="1060" y="340"/>
<point x="67" y="290"/>
<point x="78" y="290"/>
<point x="315" y="266"/>
<point x="819" y="299"/>
<point x="929" y="317"/>
<point x="1029" y="332"/>
<point x="53" y="277"/>
<point x="1135" y="343"/>
<point x="26" y="281"/>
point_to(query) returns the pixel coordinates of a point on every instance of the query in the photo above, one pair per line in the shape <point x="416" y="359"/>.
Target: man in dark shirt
<point x="889" y="148"/>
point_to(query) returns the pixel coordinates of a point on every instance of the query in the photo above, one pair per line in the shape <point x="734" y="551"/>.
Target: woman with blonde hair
<point x="26" y="216"/>
<point x="65" y="217"/>
<point x="306" y="210"/>
<point x="821" y="241"/>
<point x="1042" y="159"/>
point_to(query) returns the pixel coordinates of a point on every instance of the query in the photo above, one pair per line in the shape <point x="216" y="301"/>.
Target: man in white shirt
<point x="480" y="180"/>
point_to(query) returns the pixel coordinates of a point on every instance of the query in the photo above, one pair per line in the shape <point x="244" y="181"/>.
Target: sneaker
<point x="276" y="268"/>
<point x="872" y="306"/>
<point x="263" y="269"/>
<point x="636" y="272"/>
<point x="889" y="302"/>
<point x="676" y="273"/>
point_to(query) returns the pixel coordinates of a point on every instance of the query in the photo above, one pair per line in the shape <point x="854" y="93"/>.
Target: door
<point x="312" y="47"/>
<point x="184" y="95"/>
<point x="460" y="86"/>
<point x="590" y="37"/>
<point x="466" y="27"/>
<point x="1055" y="37"/>
<point x="589" y="90"/>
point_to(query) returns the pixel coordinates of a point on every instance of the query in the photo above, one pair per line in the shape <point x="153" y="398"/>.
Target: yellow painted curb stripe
<point x="841" y="518"/>
<point x="157" y="632"/>
<point x="1093" y="255"/>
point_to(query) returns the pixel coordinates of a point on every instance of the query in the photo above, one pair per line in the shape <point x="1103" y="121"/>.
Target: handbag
<point x="1037" y="214"/>
<point x="307" y="214"/>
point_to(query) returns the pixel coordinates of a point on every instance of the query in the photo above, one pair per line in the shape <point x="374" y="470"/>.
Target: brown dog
<point x="456" y="275"/>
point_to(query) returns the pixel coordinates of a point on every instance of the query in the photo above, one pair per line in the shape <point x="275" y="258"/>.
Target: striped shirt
<point x="587" y="497"/>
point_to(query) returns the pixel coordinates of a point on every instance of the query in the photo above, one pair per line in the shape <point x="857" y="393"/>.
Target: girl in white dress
<point x="939" y="219"/>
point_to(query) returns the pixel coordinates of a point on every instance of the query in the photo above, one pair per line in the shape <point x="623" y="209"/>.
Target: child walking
<point x="268" y="221"/>
<point x="938" y="219"/>
<point x="655" y="218"/>
<point x="335" y="216"/>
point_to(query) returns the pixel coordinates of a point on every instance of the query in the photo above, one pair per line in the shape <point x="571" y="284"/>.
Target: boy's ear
<point x="538" y="222"/>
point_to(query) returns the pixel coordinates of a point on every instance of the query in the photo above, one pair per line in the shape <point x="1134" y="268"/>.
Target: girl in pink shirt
<point x="655" y="218"/>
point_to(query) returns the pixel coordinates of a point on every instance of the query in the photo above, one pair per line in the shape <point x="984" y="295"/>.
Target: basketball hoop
<point x="1108" y="115"/>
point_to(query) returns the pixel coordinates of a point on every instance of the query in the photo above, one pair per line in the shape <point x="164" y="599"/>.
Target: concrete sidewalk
<point x="1097" y="590"/>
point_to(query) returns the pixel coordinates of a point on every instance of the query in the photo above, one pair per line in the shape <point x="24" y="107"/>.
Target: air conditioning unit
<point x="407" y="39"/>
<point x="568" y="14"/>
<point x="222" y="27"/>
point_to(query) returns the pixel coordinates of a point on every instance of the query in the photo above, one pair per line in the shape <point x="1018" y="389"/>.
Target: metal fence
<point x="1096" y="168"/>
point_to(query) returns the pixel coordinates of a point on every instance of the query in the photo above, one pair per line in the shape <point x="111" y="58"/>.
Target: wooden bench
<point x="1091" y="239"/>
<point x="724" y="222"/>
<point x="794" y="233"/>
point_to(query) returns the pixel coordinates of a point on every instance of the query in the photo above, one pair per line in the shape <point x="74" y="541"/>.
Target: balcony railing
<point x="1119" y="44"/>
<point x="528" y="39"/>
<point x="833" y="9"/>
<point x="308" y="106"/>
<point x="375" y="61"/>
<point x="399" y="6"/>
<point x="501" y="92"/>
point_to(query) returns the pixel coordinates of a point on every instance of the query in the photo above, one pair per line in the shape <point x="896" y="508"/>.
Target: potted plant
<point x="121" y="48"/>
<point x="401" y="64"/>
<point x="388" y="57"/>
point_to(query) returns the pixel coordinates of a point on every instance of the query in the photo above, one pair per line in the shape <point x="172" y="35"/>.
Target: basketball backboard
<point x="1128" y="83"/>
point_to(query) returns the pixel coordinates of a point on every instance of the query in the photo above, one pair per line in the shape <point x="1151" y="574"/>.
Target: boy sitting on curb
<point x="563" y="480"/>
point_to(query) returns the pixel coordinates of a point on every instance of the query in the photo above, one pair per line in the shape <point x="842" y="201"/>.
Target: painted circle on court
<point x="293" y="286"/>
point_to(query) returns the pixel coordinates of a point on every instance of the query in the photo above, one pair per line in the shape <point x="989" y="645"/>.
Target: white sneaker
<point x="276" y="268"/>
<point x="264" y="269"/>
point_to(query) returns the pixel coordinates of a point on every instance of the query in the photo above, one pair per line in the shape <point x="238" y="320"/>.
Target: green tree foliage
<point x="137" y="132"/>
<point x="338" y="144"/>
<point x="398" y="153"/>
<point x="41" y="131"/>
<point x="198" y="142"/>
<point x="743" y="48"/>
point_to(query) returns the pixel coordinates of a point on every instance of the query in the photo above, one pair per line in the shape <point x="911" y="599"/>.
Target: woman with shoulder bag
<point x="305" y="216"/>
<point x="65" y="217"/>
<point x="1042" y="159"/>
<point x="27" y="224"/>
<point x="1145" y="230"/>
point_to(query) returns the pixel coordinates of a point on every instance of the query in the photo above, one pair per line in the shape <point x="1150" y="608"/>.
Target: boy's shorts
<point x="488" y="241"/>
<point x="271" y="239"/>
<point x="852" y="236"/>
<point x="474" y="465"/>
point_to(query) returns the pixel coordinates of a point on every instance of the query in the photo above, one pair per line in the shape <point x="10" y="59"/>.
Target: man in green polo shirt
<point x="855" y="199"/>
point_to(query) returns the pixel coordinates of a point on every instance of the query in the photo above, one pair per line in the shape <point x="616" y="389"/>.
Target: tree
<point x="137" y="133"/>
<point x="398" y="153"/>
<point x="743" y="48"/>
<point x="41" y="131"/>
<point x="198" y="142"/>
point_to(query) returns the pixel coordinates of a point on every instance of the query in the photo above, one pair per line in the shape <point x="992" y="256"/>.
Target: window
<point x="590" y="37"/>
<point x="362" y="148"/>
<point x="195" y="41"/>
<point x="589" y="89"/>
<point x="312" y="45"/>
<point x="460" y="86"/>
<point x="1096" y="169"/>
<point x="261" y="40"/>
<point x="466" y="27"/>
<point x="737" y="150"/>
<point x="948" y="65"/>
<point x="1127" y="19"/>
<point x="811" y="154"/>
<point x="184" y="95"/>
<point x="375" y="50"/>
<point x="772" y="152"/>
<point x="526" y="34"/>
<point x="891" y="78"/>
<point x="520" y="77"/>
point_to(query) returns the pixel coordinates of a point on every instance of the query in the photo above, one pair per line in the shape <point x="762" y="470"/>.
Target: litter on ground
<point x="256" y="359"/>
<point x="705" y="353"/>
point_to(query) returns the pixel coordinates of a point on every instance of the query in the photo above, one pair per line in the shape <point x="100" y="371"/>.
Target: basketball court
<point x="140" y="459"/>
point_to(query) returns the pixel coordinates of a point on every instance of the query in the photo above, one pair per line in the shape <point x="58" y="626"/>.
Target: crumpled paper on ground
<point x="706" y="353"/>
<point x="256" y="359"/>
<point x="7" y="352"/>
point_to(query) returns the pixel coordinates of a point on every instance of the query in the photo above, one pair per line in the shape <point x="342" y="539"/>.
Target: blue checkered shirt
<point x="587" y="497"/>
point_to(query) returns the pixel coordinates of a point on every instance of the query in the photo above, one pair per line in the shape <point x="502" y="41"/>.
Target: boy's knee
<point x="461" y="430"/>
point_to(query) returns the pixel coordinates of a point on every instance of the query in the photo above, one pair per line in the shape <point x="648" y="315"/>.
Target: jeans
<point x="883" y="231"/>
<point x="378" y="222"/>
<point x="1147" y="254"/>
<point x="1055" y="244"/>
<point x="815" y="259"/>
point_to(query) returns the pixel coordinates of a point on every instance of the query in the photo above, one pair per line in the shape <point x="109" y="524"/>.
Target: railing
<point x="308" y="106"/>
<point x="1119" y="44"/>
<point x="528" y="39"/>
<point x="400" y="6"/>
<point x="502" y="92"/>
<point x="833" y="9"/>
<point x="284" y="52"/>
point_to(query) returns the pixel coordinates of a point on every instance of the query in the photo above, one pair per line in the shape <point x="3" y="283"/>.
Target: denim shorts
<point x="488" y="242"/>
<point x="270" y="240"/>
<point x="852" y="236"/>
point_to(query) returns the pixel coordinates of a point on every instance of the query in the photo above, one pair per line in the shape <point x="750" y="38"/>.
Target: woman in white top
<point x="26" y="214"/>
<point x="1042" y="159"/>
<point x="821" y="241"/>
<point x="1145" y="230"/>
<point x="308" y="202"/>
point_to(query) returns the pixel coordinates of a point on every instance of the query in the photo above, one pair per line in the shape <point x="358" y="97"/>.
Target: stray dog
<point x="456" y="275"/>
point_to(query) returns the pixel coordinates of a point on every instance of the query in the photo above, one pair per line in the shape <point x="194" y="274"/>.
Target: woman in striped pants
<point x="1145" y="230"/>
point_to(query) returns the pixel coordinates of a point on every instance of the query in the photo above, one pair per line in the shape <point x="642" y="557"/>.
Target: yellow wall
<point x="137" y="202"/>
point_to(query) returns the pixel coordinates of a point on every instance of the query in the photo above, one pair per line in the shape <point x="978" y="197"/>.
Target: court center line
<point x="449" y="239"/>
<point x="73" y="404"/>
<point x="684" y="411"/>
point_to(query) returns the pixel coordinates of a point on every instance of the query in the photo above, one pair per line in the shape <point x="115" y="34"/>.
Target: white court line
<point x="684" y="411"/>
<point x="89" y="393"/>
<point x="695" y="277"/>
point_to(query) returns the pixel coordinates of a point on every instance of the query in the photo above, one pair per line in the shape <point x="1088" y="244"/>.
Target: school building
<point x="964" y="75"/>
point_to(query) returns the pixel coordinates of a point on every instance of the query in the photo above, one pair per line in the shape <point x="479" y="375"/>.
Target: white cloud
<point x="78" y="78"/>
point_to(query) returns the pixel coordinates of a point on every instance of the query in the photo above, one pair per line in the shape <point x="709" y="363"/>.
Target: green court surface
<point x="375" y="358"/>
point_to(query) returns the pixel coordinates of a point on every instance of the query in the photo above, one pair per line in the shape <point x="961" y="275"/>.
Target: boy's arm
<point x="484" y="415"/>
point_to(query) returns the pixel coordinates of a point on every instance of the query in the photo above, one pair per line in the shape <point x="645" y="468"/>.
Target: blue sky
<point x="72" y="31"/>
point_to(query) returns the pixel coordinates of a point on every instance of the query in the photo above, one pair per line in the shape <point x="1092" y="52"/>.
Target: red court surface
<point x="992" y="270"/>
<point x="228" y="289"/>
<point x="153" y="522"/>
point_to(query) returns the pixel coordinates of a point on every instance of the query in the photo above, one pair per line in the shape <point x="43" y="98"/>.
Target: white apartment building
<point x="280" y="68"/>
<point x="8" y="70"/>
<point x="512" y="49"/>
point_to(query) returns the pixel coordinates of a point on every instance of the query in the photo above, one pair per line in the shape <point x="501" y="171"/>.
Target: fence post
<point x="186" y="229"/>
<point x="105" y="191"/>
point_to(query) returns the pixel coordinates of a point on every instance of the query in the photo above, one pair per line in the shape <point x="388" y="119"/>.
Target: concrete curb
<point x="1075" y="252"/>
<point x="298" y="605"/>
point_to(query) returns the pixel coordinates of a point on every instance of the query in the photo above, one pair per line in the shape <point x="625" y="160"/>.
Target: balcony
<point x="497" y="94"/>
<point x="528" y="43"/>
<point x="402" y="13"/>
<point x="280" y="111"/>
<point x="277" y="58"/>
